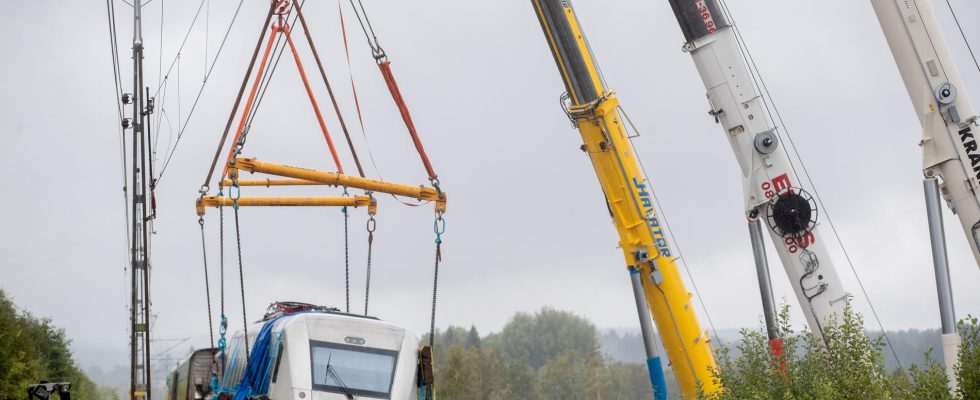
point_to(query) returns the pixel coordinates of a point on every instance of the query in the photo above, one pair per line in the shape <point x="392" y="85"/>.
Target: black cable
<point x="668" y="230"/>
<point x="346" y="260"/>
<point x="181" y="48"/>
<point x="241" y="280"/>
<point x="265" y="81"/>
<point x="367" y="280"/>
<point x="200" y="91"/>
<point x="160" y="55"/>
<point x="117" y="81"/>
<point x="375" y="46"/>
<point x="965" y="40"/>
<point x="326" y="82"/>
<point x="238" y="100"/>
<point x="207" y="34"/>
<point x="207" y="285"/>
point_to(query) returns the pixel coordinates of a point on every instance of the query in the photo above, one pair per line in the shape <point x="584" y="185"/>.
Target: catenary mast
<point x="139" y="308"/>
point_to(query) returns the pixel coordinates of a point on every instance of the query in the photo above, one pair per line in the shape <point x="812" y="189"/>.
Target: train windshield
<point x="355" y="370"/>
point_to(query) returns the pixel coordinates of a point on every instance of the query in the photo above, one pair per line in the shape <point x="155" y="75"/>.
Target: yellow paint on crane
<point x="630" y="199"/>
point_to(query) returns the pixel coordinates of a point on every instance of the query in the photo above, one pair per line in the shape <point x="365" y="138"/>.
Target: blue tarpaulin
<point x="255" y="381"/>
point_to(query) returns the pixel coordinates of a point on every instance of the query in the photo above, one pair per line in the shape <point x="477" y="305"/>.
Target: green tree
<point x="472" y="338"/>
<point x="458" y="374"/>
<point x="928" y="382"/>
<point x="536" y="339"/>
<point x="846" y="364"/>
<point x="564" y="377"/>
<point x="968" y="369"/>
<point x="32" y="350"/>
<point x="19" y="366"/>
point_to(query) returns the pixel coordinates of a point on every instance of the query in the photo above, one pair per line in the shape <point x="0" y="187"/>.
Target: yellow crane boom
<point x="594" y="109"/>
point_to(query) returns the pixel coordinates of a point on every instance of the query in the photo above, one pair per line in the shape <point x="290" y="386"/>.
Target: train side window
<point x="275" y="371"/>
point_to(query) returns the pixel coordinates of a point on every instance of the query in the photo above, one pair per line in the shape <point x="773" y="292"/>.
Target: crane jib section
<point x="942" y="104"/>
<point x="595" y="112"/>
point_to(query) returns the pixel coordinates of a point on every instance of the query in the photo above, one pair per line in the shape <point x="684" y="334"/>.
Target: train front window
<point x="357" y="370"/>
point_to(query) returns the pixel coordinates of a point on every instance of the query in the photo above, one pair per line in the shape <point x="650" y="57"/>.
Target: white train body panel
<point x="740" y="110"/>
<point x="374" y="359"/>
<point x="949" y="148"/>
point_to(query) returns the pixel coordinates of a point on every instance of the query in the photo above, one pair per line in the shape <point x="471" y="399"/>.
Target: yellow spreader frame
<point x="297" y="176"/>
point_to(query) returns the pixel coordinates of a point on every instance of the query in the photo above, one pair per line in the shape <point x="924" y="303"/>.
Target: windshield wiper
<point x="332" y="373"/>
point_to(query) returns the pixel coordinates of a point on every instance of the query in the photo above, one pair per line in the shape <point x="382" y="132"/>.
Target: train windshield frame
<point x="363" y="371"/>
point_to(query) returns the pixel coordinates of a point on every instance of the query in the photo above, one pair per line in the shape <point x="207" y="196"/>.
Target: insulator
<point x="127" y="123"/>
<point x="127" y="98"/>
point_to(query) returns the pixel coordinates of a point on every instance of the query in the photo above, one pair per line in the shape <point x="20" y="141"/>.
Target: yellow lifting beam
<point x="346" y="201"/>
<point x="271" y="182"/>
<point x="422" y="193"/>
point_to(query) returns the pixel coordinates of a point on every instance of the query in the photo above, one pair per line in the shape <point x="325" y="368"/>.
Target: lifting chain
<point x="207" y="292"/>
<point x="223" y="321"/>
<point x="371" y="224"/>
<point x="235" y="192"/>
<point x="439" y="227"/>
<point x="346" y="253"/>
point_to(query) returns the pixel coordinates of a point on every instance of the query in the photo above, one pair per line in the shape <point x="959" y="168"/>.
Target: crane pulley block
<point x="595" y="109"/>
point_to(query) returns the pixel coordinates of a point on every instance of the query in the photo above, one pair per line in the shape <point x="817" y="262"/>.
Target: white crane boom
<point x="770" y="185"/>
<point x="950" y="158"/>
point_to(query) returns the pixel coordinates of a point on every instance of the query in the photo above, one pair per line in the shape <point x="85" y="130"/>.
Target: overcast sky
<point x="527" y="226"/>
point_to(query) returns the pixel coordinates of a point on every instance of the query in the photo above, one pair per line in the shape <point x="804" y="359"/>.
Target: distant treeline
<point x="550" y="354"/>
<point x="910" y="345"/>
<point x="554" y="354"/>
<point x="31" y="350"/>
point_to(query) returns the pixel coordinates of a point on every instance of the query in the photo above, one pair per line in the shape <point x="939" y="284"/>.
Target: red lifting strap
<point x="397" y="96"/>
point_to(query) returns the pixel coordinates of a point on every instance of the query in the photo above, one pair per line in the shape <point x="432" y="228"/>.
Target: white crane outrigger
<point x="771" y="192"/>
<point x="949" y="149"/>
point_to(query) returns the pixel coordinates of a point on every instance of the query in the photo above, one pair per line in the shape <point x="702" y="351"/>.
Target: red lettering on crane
<point x="782" y="184"/>
<point x="709" y="21"/>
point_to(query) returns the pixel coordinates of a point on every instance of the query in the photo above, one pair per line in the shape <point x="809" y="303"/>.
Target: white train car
<point x="191" y="380"/>
<point x="322" y="355"/>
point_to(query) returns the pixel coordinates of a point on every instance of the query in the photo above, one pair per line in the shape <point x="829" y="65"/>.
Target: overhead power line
<point x="180" y="133"/>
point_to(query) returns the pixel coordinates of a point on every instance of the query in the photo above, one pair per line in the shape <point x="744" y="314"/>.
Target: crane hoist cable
<point x="378" y="53"/>
<point x="350" y="73"/>
<point x="333" y="99"/>
<point x="238" y="99"/>
<point x="281" y="27"/>
<point x="385" y="66"/>
<point x="183" y="126"/>
<point x="963" y="34"/>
